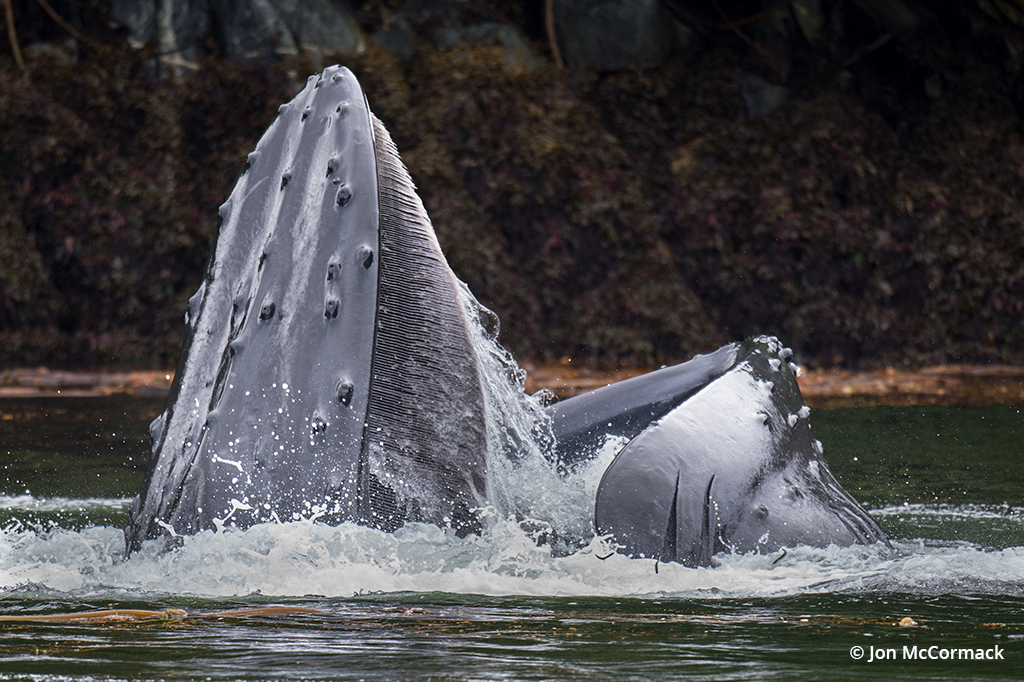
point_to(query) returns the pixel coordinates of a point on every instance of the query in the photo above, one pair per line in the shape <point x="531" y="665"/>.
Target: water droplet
<point x="285" y="179"/>
<point x="342" y="109"/>
<point x="332" y="165"/>
<point x="333" y="270"/>
<point x="344" y="195"/>
<point x="306" y="112"/>
<point x="281" y="109"/>
<point x="337" y="77"/>
<point x="267" y="311"/>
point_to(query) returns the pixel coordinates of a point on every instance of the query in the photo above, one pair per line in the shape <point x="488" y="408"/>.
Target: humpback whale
<point x="718" y="457"/>
<point x="335" y="369"/>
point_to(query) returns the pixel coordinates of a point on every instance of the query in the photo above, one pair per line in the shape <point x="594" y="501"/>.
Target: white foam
<point x="302" y="558"/>
<point x="962" y="511"/>
<point x="58" y="504"/>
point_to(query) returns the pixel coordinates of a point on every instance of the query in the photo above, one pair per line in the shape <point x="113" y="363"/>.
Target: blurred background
<point x="625" y="182"/>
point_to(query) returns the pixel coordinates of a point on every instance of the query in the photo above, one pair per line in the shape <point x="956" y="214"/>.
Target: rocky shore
<point x="626" y="183"/>
<point x="940" y="385"/>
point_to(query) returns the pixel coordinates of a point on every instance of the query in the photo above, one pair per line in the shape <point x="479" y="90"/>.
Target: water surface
<point x="421" y="603"/>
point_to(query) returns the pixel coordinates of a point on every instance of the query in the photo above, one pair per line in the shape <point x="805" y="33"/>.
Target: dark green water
<point x="944" y="482"/>
<point x="420" y="636"/>
<point x="929" y="454"/>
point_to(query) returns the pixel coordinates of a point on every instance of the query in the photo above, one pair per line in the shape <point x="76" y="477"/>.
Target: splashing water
<point x="523" y="480"/>
<point x="303" y="558"/>
<point x="538" y="539"/>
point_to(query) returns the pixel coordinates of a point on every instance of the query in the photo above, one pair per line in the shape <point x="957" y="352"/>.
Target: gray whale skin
<point x="332" y="370"/>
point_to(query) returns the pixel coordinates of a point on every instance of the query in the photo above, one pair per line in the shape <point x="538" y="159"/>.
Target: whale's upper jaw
<point x="328" y="369"/>
<point x="626" y="408"/>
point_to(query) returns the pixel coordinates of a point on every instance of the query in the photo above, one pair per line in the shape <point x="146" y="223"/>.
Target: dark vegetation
<point x="875" y="217"/>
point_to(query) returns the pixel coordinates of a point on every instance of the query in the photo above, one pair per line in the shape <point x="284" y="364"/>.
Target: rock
<point x="138" y="16"/>
<point x="399" y="38"/>
<point x="614" y="35"/>
<point x="893" y="16"/>
<point x="245" y="29"/>
<point x="1003" y="10"/>
<point x="810" y="19"/>
<point x="251" y="29"/>
<point x="66" y="51"/>
<point x="761" y="96"/>
<point x="321" y="27"/>
<point x="448" y="12"/>
<point x="179" y="27"/>
<point x="772" y="38"/>
<point x="518" y="56"/>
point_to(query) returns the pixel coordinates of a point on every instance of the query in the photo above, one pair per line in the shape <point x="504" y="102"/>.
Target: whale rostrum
<point x="328" y="369"/>
<point x="332" y="370"/>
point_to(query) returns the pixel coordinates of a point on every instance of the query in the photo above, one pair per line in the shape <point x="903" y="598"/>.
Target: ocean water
<point x="301" y="600"/>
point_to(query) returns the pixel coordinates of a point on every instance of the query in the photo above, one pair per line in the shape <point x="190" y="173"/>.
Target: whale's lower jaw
<point x="426" y="402"/>
<point x="726" y="463"/>
<point x="328" y="370"/>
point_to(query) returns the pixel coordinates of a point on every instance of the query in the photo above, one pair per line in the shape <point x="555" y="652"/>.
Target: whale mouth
<point x="336" y="370"/>
<point x="731" y="466"/>
<point x="424" y="376"/>
<point x="328" y="370"/>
